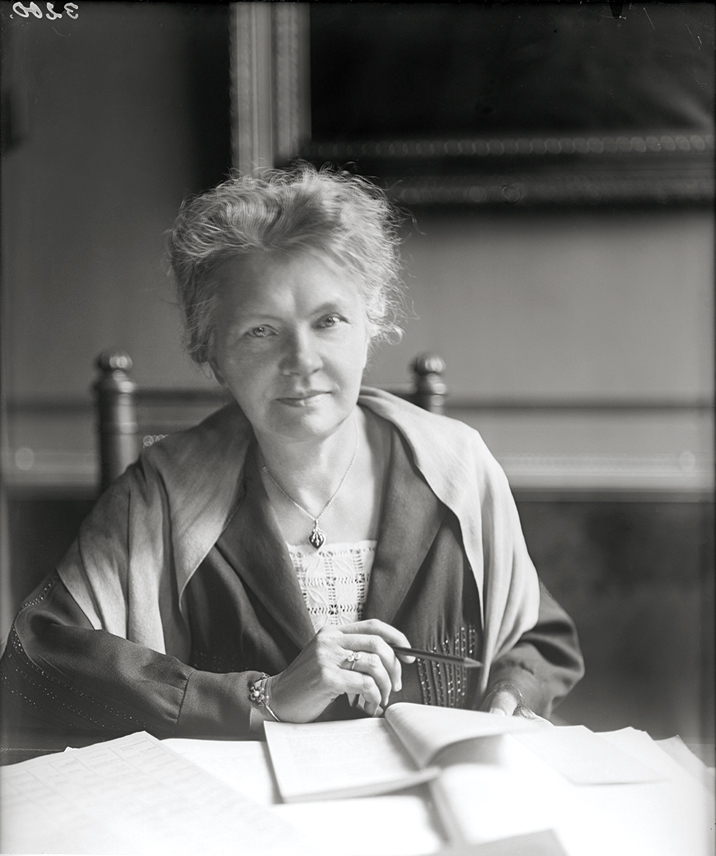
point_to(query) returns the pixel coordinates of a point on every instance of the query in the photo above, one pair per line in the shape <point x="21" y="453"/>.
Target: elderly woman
<point x="264" y="563"/>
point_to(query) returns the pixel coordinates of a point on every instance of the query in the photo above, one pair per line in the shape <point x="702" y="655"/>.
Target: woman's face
<point x="291" y="342"/>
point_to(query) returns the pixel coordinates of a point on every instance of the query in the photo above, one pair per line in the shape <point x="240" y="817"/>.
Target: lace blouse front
<point x="334" y="580"/>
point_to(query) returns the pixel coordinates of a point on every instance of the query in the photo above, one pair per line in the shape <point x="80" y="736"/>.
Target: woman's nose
<point x="300" y="355"/>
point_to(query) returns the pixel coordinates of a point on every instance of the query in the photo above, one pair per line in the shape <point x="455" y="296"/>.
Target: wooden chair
<point x="130" y="418"/>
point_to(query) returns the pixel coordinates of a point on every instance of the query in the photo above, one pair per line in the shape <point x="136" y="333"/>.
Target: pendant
<point x="317" y="538"/>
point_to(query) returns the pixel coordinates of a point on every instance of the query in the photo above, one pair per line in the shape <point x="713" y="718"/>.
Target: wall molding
<point x="608" y="405"/>
<point x="54" y="469"/>
<point x="52" y="444"/>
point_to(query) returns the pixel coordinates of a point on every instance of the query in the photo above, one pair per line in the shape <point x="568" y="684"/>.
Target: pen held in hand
<point x="467" y="662"/>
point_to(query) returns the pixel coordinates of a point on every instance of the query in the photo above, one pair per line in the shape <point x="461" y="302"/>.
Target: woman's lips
<point x="302" y="399"/>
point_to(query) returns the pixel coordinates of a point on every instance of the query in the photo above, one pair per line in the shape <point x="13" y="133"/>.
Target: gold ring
<point x="353" y="658"/>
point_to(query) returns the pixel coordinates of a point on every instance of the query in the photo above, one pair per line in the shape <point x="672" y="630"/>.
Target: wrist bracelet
<point x="259" y="694"/>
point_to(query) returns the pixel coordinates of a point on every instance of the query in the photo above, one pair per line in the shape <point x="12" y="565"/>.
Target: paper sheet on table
<point x="132" y="796"/>
<point x="680" y="752"/>
<point x="243" y="765"/>
<point x="672" y="816"/>
<point x="584" y="757"/>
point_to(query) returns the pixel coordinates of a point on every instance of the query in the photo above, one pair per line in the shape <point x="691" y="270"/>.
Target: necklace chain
<point x="318" y="536"/>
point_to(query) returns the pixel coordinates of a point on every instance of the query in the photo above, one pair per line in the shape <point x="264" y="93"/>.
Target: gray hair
<point x="336" y="213"/>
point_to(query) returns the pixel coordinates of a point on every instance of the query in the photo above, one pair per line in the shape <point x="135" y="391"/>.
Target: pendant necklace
<point x="317" y="538"/>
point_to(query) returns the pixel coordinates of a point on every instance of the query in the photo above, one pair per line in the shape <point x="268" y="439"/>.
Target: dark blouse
<point x="246" y="615"/>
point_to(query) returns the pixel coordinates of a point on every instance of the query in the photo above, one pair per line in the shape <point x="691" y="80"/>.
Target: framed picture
<point x="485" y="104"/>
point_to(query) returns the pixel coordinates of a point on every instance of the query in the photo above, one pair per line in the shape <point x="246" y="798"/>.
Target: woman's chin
<point x="311" y="422"/>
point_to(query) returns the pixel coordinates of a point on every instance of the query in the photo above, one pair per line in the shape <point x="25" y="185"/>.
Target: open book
<point x="490" y="778"/>
<point x="414" y="743"/>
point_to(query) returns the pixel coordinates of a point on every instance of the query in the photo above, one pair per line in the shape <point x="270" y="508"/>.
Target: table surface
<point x="417" y="831"/>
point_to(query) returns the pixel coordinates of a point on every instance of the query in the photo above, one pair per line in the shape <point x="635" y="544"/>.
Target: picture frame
<point x="497" y="104"/>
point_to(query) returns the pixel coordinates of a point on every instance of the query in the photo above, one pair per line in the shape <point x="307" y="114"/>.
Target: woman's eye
<point x="259" y="332"/>
<point x="330" y="321"/>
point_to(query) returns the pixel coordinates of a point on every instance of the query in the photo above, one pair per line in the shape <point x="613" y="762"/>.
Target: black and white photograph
<point x="357" y="428"/>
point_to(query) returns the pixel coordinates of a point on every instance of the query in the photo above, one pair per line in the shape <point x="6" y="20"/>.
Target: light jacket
<point x="151" y="530"/>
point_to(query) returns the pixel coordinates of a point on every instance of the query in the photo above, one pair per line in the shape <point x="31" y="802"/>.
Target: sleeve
<point x="546" y="662"/>
<point x="59" y="674"/>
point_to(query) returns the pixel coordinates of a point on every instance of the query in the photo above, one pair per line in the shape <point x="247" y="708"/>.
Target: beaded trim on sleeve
<point x="445" y="685"/>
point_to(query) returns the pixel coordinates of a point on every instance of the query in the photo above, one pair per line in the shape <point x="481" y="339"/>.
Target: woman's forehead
<point x="264" y="268"/>
<point x="262" y="278"/>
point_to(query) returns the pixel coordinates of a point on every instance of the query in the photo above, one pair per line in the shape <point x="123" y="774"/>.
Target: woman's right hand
<point x="355" y="659"/>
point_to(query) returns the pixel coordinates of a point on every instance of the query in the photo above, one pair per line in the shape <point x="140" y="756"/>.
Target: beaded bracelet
<point x="259" y="694"/>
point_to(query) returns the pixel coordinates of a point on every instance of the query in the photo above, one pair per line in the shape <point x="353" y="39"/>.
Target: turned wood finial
<point x="430" y="388"/>
<point x="110" y="361"/>
<point x="117" y="416"/>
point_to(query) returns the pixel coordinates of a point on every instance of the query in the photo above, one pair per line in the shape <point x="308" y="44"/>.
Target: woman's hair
<point x="340" y="215"/>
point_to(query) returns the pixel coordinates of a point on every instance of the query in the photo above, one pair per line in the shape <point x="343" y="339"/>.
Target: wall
<point x="116" y="118"/>
<point x="108" y="121"/>
<point x="595" y="307"/>
<point x="117" y="115"/>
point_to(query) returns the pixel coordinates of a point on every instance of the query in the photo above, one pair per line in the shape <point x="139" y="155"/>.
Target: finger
<point x="377" y="646"/>
<point x="364" y="687"/>
<point x="367" y="664"/>
<point x="503" y="703"/>
<point x="376" y="627"/>
<point x="527" y="713"/>
<point x="362" y="654"/>
<point x="368" y="707"/>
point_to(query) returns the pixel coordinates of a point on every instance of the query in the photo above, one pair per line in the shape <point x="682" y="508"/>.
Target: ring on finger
<point x="353" y="658"/>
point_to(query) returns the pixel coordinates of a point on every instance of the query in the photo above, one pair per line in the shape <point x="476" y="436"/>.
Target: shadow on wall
<point x="636" y="578"/>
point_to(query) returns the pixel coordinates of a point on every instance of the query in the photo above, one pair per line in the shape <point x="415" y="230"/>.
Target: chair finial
<point x="426" y="364"/>
<point x="116" y="414"/>
<point x="430" y="389"/>
<point x="110" y="361"/>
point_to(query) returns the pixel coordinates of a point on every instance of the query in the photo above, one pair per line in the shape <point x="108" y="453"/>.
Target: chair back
<point x="130" y="418"/>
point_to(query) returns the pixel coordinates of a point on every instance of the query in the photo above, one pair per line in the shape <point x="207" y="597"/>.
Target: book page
<point x="425" y="730"/>
<point x="132" y="796"/>
<point x="519" y="795"/>
<point x="358" y="757"/>
<point x="542" y="843"/>
<point x="395" y="825"/>
<point x="574" y="751"/>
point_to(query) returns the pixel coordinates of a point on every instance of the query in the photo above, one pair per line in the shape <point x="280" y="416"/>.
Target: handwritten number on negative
<point x="24" y="11"/>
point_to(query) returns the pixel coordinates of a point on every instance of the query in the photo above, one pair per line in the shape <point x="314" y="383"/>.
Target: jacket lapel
<point x="254" y="546"/>
<point x="411" y="517"/>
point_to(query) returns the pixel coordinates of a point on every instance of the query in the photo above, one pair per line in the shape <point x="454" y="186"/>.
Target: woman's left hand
<point x="505" y="699"/>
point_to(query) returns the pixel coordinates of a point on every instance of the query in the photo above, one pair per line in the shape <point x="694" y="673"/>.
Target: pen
<point x="467" y="662"/>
